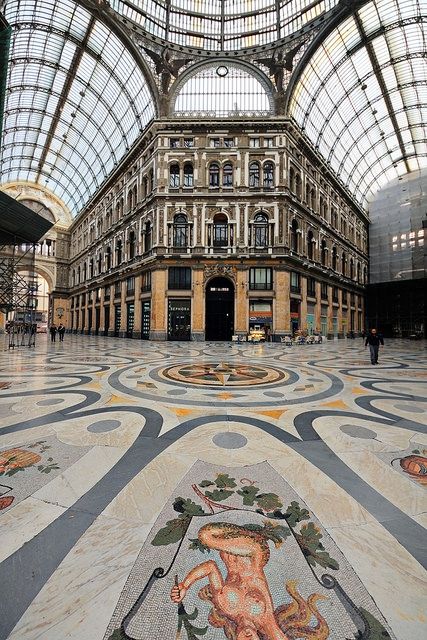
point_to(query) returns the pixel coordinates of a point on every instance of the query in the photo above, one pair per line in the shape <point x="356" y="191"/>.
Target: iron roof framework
<point x="80" y="92"/>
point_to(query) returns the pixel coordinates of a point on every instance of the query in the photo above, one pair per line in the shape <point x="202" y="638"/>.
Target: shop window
<point x="179" y="278"/>
<point x="260" y="279"/>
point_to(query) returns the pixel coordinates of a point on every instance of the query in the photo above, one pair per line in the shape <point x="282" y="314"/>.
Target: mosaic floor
<point x="155" y="491"/>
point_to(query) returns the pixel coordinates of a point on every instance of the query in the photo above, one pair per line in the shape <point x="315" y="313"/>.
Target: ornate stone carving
<point x="219" y="270"/>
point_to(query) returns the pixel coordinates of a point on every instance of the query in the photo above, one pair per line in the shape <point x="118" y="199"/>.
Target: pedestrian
<point x="374" y="341"/>
<point x="61" y="331"/>
<point x="53" y="333"/>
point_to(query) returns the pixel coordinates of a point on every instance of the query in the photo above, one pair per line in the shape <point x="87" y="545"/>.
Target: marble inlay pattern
<point x="99" y="437"/>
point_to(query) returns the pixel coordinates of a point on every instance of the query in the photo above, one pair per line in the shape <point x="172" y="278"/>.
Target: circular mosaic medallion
<point x="222" y="374"/>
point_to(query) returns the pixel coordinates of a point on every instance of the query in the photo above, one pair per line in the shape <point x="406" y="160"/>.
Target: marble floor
<point x="289" y="483"/>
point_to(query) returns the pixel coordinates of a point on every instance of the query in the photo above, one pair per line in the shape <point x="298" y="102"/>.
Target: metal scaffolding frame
<point x="17" y="295"/>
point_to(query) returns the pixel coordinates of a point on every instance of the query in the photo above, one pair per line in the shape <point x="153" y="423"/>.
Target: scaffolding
<point x="18" y="295"/>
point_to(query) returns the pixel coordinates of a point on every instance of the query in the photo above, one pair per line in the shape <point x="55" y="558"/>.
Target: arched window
<point x="220" y="230"/>
<point x="261" y="230"/>
<point x="254" y="174"/>
<point x="310" y="243"/>
<point x="131" y="245"/>
<point x="119" y="252"/>
<point x="130" y="200"/>
<point x="334" y="258"/>
<point x="298" y="185"/>
<point x="323" y="251"/>
<point x="188" y="175"/>
<point x="294" y="235"/>
<point x="180" y="230"/>
<point x="267" y="178"/>
<point x="148" y="236"/>
<point x="214" y="175"/>
<point x="174" y="176"/>
<point x="227" y="175"/>
<point x="292" y="180"/>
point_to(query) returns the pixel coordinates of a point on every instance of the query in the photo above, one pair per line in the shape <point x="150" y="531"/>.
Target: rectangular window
<point x="228" y="142"/>
<point x="295" y="282"/>
<point x="117" y="289"/>
<point x="254" y="142"/>
<point x="311" y="287"/>
<point x="174" y="142"/>
<point x="107" y="293"/>
<point x="215" y="142"/>
<point x="179" y="278"/>
<point x="130" y="286"/>
<point x="268" y="142"/>
<point x="260" y="279"/>
<point x="324" y="290"/>
<point x="335" y="294"/>
<point x="188" y="142"/>
<point x="146" y="281"/>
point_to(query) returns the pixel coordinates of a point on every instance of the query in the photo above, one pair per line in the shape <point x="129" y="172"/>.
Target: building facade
<point x="215" y="229"/>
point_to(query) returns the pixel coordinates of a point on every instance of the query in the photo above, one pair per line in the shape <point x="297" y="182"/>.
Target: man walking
<point x="374" y="341"/>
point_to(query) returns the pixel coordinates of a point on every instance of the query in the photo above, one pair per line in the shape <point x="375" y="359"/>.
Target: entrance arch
<point x="219" y="320"/>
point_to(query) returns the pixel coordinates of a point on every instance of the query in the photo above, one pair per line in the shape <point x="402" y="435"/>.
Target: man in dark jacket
<point x="374" y="341"/>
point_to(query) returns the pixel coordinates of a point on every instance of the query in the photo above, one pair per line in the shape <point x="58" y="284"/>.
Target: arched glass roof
<point x="75" y="102"/>
<point x="78" y="92"/>
<point x="221" y="25"/>
<point x="362" y="96"/>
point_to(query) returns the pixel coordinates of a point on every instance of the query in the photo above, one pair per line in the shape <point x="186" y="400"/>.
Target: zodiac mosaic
<point x="248" y="561"/>
<point x="224" y="374"/>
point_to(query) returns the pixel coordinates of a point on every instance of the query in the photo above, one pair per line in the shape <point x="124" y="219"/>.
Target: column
<point x="158" y="329"/>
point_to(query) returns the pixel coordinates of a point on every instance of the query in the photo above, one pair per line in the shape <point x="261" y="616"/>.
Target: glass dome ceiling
<point x="221" y="25"/>
<point x="79" y="92"/>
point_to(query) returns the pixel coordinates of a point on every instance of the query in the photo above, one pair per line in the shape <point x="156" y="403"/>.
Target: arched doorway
<point x="219" y="321"/>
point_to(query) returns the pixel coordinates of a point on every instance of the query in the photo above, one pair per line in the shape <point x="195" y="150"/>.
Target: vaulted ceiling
<point x="80" y="88"/>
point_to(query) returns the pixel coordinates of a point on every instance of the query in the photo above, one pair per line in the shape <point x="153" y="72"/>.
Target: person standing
<point x="374" y="341"/>
<point x="53" y="333"/>
<point x="61" y="332"/>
